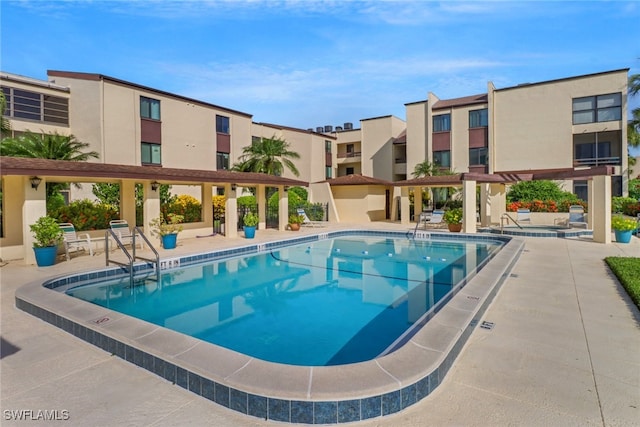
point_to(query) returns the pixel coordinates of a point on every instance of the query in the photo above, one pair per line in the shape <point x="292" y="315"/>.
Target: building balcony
<point x="598" y="161"/>
<point x="352" y="157"/>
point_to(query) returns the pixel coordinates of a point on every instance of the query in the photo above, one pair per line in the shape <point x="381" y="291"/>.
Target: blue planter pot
<point x="623" y="236"/>
<point x="46" y="257"/>
<point x="169" y="241"/>
<point x="249" y="232"/>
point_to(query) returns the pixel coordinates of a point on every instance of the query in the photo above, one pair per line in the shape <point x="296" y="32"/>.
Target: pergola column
<point x="230" y="211"/>
<point x="601" y="190"/>
<point x="128" y="201"/>
<point x="469" y="206"/>
<point x="262" y="206"/>
<point x="207" y="204"/>
<point x="404" y="206"/>
<point x="283" y="208"/>
<point x="150" y="207"/>
<point x="417" y="203"/>
<point x="34" y="207"/>
<point x="497" y="202"/>
<point x="485" y="205"/>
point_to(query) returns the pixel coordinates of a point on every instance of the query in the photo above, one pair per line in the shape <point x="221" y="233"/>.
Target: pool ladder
<point x="507" y="217"/>
<point x="109" y="233"/>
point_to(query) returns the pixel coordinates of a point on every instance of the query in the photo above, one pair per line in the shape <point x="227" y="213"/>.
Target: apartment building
<point x="131" y="124"/>
<point x="569" y="123"/>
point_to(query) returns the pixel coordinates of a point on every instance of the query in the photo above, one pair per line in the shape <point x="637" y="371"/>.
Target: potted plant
<point x="167" y="229"/>
<point x="48" y="235"/>
<point x="294" y="221"/>
<point x="250" y="222"/>
<point x="453" y="218"/>
<point x="623" y="228"/>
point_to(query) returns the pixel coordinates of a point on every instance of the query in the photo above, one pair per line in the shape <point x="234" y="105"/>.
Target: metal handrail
<point x="507" y="216"/>
<point x="131" y="257"/>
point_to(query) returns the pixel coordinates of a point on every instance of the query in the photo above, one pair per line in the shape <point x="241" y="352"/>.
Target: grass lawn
<point x="627" y="270"/>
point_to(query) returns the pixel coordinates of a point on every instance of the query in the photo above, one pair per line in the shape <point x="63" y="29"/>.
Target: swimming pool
<point x="277" y="391"/>
<point x="329" y="302"/>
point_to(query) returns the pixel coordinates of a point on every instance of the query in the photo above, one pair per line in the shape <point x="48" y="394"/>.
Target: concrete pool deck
<point x="563" y="351"/>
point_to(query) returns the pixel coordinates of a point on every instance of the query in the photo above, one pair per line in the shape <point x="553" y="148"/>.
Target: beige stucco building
<point x="559" y="125"/>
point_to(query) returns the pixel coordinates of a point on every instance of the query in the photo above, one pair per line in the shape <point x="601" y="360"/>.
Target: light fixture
<point x="233" y="187"/>
<point x="35" y="182"/>
<point x="155" y="185"/>
<point x="286" y="188"/>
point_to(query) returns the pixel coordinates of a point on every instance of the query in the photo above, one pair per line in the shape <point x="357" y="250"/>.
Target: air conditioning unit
<point x="319" y="129"/>
<point x="348" y="126"/>
<point x="328" y="128"/>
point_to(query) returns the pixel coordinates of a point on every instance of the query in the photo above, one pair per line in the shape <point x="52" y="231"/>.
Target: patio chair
<point x="74" y="240"/>
<point x="576" y="216"/>
<point x="121" y="228"/>
<point x="432" y="218"/>
<point x="306" y="221"/>
<point x="524" y="215"/>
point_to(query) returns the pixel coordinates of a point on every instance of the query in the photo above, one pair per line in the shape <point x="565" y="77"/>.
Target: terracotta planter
<point x="455" y="228"/>
<point x="294" y="227"/>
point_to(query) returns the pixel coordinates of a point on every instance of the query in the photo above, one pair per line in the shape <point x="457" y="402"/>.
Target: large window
<point x="222" y="124"/>
<point x="350" y="171"/>
<point x="442" y="123"/>
<point x="149" y="108"/>
<point x="222" y="161"/>
<point x="478" y="118"/>
<point x="601" y="108"/>
<point x="327" y="146"/>
<point x="327" y="172"/>
<point x="478" y="156"/>
<point x="151" y="154"/>
<point x="23" y="104"/>
<point x="442" y="158"/>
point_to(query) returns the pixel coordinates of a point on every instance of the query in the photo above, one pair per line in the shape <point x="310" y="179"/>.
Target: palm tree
<point x="267" y="155"/>
<point x="46" y="146"/>
<point x="633" y="126"/>
<point x="5" y="126"/>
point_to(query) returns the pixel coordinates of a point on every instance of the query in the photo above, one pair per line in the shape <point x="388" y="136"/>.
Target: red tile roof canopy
<point x="505" y="177"/>
<point x="63" y="168"/>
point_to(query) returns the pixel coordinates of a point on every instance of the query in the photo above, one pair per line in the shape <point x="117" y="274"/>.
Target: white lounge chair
<point x="524" y="215"/>
<point x="306" y="221"/>
<point x="431" y="218"/>
<point x="74" y="240"/>
<point x="576" y="216"/>
<point x="121" y="228"/>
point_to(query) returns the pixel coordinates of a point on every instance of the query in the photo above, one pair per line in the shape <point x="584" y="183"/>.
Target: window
<point x="222" y="124"/>
<point x="580" y="188"/>
<point x="442" y="158"/>
<point x="23" y="104"/>
<point x="349" y="150"/>
<point x="327" y="172"/>
<point x="601" y="108"/>
<point x="478" y="156"/>
<point x="442" y="123"/>
<point x="149" y="108"/>
<point x="151" y="154"/>
<point x="222" y="161"/>
<point x="478" y="118"/>
<point x="327" y="146"/>
<point x="350" y="171"/>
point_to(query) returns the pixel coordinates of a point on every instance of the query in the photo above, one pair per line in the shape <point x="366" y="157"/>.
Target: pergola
<point x="24" y="202"/>
<point x="493" y="194"/>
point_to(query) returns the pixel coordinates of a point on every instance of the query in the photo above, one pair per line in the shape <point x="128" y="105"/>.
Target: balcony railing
<point x="351" y="154"/>
<point x="597" y="161"/>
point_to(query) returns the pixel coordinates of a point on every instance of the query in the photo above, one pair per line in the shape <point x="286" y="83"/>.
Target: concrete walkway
<point x="564" y="350"/>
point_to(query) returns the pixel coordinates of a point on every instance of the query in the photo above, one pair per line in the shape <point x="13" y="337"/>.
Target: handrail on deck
<point x="132" y="257"/>
<point x="508" y="217"/>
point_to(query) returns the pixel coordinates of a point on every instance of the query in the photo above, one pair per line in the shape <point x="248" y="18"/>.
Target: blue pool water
<point x="330" y="302"/>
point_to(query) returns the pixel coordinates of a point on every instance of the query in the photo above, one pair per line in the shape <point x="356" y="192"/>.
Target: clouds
<point x="307" y="63"/>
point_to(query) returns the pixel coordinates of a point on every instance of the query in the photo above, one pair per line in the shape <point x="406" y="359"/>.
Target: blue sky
<point x="316" y="63"/>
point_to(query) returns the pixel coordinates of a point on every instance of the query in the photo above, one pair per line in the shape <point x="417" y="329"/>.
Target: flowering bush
<point x="86" y="215"/>
<point x="185" y="205"/>
<point x="219" y="203"/>
<point x="545" y="206"/>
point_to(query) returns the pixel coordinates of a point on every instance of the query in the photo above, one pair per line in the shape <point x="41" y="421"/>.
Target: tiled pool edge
<point x="279" y="409"/>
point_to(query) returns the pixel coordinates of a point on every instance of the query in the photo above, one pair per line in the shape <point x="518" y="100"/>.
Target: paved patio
<point x="564" y="350"/>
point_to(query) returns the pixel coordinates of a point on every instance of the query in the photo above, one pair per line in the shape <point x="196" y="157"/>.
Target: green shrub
<point x="619" y="204"/>
<point x="634" y="189"/>
<point x="535" y="190"/>
<point x="184" y="205"/>
<point x="627" y="270"/>
<point x="86" y="215"/>
<point x="246" y="201"/>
